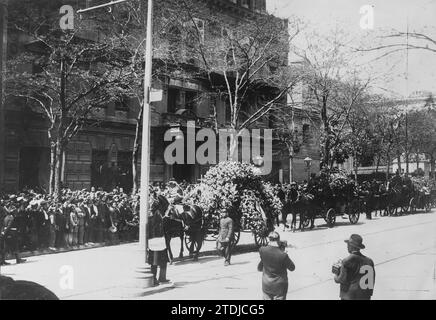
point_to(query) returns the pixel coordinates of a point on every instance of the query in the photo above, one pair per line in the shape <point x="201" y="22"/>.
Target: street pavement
<point x="403" y="249"/>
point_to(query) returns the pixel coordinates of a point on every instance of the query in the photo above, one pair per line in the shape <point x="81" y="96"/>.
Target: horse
<point x="178" y="224"/>
<point x="398" y="197"/>
<point x="298" y="203"/>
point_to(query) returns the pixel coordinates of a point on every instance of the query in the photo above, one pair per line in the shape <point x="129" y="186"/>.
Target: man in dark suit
<point x="225" y="237"/>
<point x="275" y="263"/>
<point x="3" y="214"/>
<point x="157" y="255"/>
<point x="8" y="234"/>
<point x="86" y="208"/>
<point x="356" y="274"/>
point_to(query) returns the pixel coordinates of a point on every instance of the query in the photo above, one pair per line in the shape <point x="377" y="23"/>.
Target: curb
<point x="27" y="254"/>
<point x="239" y="249"/>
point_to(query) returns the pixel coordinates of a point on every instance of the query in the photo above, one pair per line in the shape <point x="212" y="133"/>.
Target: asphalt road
<point x="403" y="249"/>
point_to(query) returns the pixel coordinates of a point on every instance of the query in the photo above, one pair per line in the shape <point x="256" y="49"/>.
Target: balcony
<point x="181" y="118"/>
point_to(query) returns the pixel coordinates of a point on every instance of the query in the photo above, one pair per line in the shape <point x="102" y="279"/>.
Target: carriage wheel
<point x="404" y="209"/>
<point x="236" y="237"/>
<point x="331" y="217"/>
<point x="354" y="212"/>
<point x="260" y="240"/>
<point x="188" y="242"/>
<point x="306" y="221"/>
<point x="412" y="205"/>
<point x="390" y="210"/>
<point x="354" y="217"/>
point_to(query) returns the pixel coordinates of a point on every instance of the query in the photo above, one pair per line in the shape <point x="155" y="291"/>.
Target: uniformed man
<point x="8" y="234"/>
<point x="174" y="195"/>
<point x="356" y="273"/>
<point x="225" y="236"/>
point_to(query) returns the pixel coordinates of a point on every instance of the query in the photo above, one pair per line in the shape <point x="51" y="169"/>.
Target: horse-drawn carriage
<point x="259" y="228"/>
<point x="422" y="198"/>
<point x="325" y="198"/>
<point x="230" y="187"/>
<point x="329" y="206"/>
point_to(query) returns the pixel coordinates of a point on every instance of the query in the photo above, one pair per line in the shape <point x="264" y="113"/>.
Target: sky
<point x="324" y="15"/>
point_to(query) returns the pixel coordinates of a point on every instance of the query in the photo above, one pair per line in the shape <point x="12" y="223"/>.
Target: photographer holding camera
<point x="356" y="273"/>
<point x="275" y="263"/>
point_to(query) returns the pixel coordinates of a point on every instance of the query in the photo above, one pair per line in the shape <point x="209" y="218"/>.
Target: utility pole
<point x="145" y="143"/>
<point x="407" y="98"/>
<point x="3" y="56"/>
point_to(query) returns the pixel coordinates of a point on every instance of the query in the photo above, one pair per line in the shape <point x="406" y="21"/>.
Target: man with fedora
<point x="274" y="263"/>
<point x="356" y="273"/>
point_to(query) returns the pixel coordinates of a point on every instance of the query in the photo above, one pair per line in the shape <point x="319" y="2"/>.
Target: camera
<point x="336" y="267"/>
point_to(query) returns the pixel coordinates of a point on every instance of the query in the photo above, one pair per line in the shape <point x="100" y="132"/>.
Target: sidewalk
<point x="403" y="249"/>
<point x="245" y="244"/>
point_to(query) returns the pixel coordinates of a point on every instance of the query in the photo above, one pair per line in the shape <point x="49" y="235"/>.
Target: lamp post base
<point x="145" y="277"/>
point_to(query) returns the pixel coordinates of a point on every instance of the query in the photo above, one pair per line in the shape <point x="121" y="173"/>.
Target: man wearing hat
<point x="274" y="263"/>
<point x="8" y="235"/>
<point x="356" y="274"/>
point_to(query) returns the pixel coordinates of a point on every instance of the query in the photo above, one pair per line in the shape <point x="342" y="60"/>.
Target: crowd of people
<point x="77" y="218"/>
<point x="39" y="221"/>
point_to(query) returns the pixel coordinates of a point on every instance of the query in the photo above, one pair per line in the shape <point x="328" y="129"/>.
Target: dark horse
<point x="175" y="224"/>
<point x="297" y="203"/>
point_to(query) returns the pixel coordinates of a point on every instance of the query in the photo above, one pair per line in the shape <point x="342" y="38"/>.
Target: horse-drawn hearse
<point x="322" y="199"/>
<point x="259" y="227"/>
<point x="249" y="201"/>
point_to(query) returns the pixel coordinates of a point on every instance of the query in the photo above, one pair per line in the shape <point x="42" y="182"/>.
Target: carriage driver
<point x="175" y="196"/>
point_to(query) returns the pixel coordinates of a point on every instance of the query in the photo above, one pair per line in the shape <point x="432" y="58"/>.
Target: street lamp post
<point x="308" y="162"/>
<point x="145" y="143"/>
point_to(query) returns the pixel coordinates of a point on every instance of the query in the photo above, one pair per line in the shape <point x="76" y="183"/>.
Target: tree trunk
<point x="291" y="167"/>
<point x="52" y="167"/>
<point x="399" y="162"/>
<point x="135" y="152"/>
<point x="233" y="150"/>
<point x="325" y="161"/>
<point x="388" y="167"/>
<point x="356" y="167"/>
<point x="58" y="170"/>
<point x="432" y="166"/>
<point x="378" y="162"/>
<point x="417" y="162"/>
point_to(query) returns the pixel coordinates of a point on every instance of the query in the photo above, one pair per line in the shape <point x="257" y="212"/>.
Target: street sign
<point x="156" y="95"/>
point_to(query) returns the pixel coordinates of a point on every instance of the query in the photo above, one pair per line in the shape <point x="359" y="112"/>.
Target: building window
<point x="245" y="3"/>
<point x="173" y="99"/>
<point x="191" y="98"/>
<point x="306" y="133"/>
<point x="175" y="44"/>
<point x="100" y="169"/>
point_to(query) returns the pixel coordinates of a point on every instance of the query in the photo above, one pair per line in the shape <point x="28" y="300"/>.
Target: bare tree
<point x="70" y="77"/>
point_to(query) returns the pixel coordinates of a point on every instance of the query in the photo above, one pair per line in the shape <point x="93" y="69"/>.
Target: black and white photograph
<point x="217" y="150"/>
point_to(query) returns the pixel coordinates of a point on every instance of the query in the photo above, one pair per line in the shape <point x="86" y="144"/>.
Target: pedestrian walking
<point x="274" y="263"/>
<point x="355" y="273"/>
<point x="157" y="254"/>
<point x="225" y="237"/>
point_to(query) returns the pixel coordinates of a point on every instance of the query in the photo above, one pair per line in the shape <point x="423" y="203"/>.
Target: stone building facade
<point x="101" y="155"/>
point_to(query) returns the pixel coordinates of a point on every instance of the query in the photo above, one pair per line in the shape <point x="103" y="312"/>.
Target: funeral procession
<point x="217" y="150"/>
